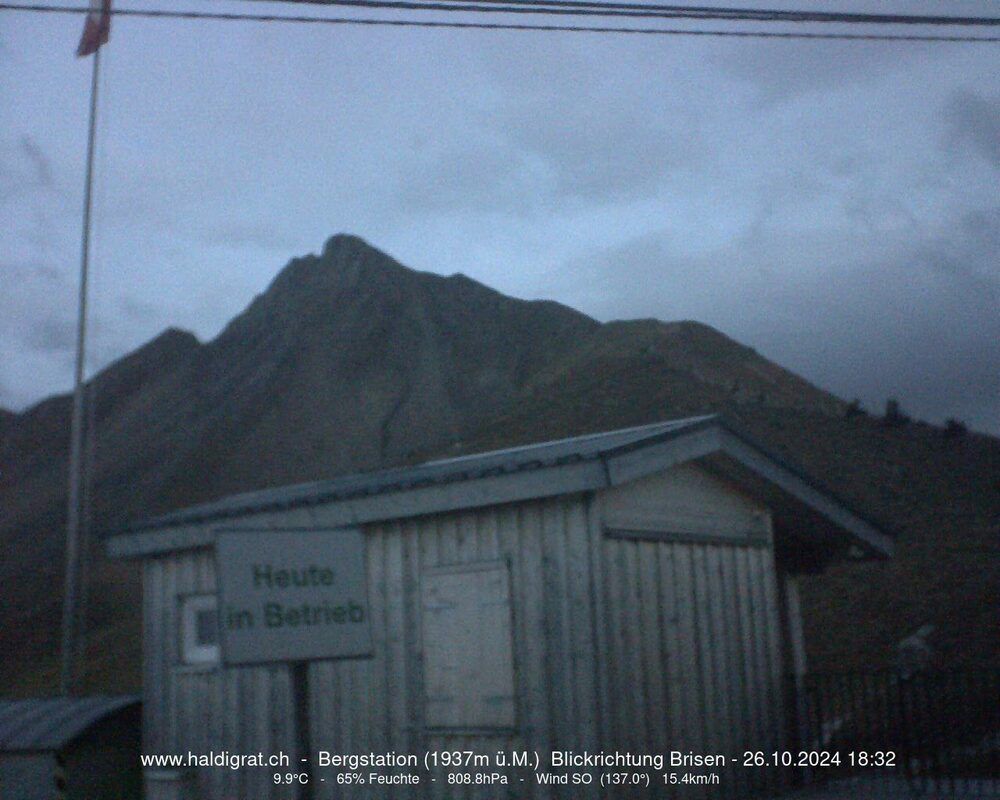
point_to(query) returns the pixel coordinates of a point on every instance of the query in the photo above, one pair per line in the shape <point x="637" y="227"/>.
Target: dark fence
<point x="927" y="735"/>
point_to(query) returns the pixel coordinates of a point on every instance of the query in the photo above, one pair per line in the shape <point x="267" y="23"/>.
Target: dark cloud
<point x="480" y="176"/>
<point x="929" y="330"/>
<point x="134" y="309"/>
<point x="968" y="252"/>
<point x="974" y="120"/>
<point x="258" y="234"/>
<point x="912" y="318"/>
<point x="33" y="271"/>
<point x="13" y="182"/>
<point x="598" y="142"/>
<point x="40" y="164"/>
<point x="51" y="335"/>
<point x="25" y="169"/>
<point x="785" y="69"/>
<point x="553" y="142"/>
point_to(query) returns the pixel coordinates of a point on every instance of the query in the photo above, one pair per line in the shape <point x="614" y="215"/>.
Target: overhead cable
<point x="665" y="11"/>
<point x="414" y="23"/>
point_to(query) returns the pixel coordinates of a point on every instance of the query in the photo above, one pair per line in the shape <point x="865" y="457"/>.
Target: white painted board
<point x="292" y="595"/>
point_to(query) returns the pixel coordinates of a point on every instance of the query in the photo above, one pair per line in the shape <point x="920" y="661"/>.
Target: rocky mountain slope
<point x="351" y="361"/>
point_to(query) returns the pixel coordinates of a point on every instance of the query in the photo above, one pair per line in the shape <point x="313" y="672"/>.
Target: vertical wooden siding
<point x="618" y="645"/>
<point x="378" y="705"/>
<point x="692" y="654"/>
<point x="691" y="635"/>
<point x="198" y="709"/>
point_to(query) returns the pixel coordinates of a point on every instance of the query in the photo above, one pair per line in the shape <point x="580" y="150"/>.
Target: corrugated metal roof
<point x="432" y="473"/>
<point x="50" y="723"/>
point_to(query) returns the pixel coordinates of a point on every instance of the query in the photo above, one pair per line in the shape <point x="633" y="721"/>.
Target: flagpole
<point x="70" y="618"/>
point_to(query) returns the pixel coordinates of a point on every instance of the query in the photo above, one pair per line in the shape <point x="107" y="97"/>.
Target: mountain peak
<point x="345" y="262"/>
<point x="342" y="244"/>
<point x="349" y="257"/>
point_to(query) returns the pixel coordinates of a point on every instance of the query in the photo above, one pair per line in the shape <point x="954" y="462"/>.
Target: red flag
<point x="96" y="28"/>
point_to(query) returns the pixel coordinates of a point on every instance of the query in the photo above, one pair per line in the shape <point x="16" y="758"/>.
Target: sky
<point x="834" y="205"/>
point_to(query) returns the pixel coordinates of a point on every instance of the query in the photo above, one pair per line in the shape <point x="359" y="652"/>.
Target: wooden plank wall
<point x="692" y="655"/>
<point x="376" y="705"/>
<point x="198" y="709"/>
<point x="618" y="644"/>
<point x="363" y="706"/>
<point x="691" y="631"/>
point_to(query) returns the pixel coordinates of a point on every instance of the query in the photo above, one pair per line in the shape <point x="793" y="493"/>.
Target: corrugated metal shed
<point x="51" y="723"/>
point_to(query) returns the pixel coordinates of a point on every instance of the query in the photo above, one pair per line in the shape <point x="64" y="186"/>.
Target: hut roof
<point x="580" y="463"/>
<point x="50" y="723"/>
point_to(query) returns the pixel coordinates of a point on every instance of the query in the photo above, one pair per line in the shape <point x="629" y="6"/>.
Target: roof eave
<point x="490" y="490"/>
<point x="610" y="468"/>
<point x="800" y="487"/>
<point x="721" y="436"/>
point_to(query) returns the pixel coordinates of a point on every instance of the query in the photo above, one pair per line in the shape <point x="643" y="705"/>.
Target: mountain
<point x="350" y="361"/>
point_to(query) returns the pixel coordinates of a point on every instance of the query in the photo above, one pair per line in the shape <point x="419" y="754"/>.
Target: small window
<point x="468" y="653"/>
<point x="199" y="629"/>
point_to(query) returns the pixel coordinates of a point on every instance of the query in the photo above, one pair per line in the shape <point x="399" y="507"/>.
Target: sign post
<point x="293" y="596"/>
<point x="302" y="724"/>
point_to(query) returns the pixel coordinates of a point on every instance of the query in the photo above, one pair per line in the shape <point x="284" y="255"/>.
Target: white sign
<point x="292" y="595"/>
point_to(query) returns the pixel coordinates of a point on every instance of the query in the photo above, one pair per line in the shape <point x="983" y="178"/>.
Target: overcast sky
<point x="834" y="205"/>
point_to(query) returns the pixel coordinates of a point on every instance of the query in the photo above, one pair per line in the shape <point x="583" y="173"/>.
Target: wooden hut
<point x="628" y="592"/>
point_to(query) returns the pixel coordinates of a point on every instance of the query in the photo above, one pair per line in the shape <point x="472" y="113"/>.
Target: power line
<point x="670" y="11"/>
<point x="413" y="23"/>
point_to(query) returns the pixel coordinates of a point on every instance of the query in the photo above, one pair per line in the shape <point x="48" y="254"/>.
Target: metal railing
<point x="932" y="734"/>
